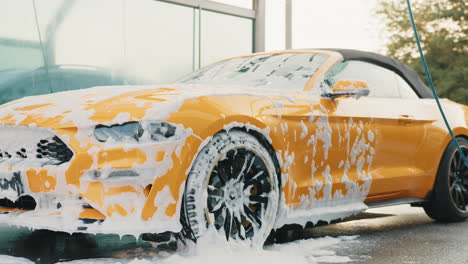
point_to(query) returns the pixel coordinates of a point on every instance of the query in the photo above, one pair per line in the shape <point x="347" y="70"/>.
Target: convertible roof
<point x="410" y="75"/>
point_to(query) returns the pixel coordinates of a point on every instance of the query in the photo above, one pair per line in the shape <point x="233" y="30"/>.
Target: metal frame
<point x="257" y="14"/>
<point x="216" y="7"/>
<point x="21" y="43"/>
<point x="259" y="26"/>
<point x="288" y="24"/>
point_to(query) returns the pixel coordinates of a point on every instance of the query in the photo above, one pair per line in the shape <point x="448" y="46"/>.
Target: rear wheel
<point x="233" y="188"/>
<point x="449" y="201"/>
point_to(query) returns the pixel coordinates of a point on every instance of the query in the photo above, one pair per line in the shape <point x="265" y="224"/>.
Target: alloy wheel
<point x="458" y="181"/>
<point x="238" y="194"/>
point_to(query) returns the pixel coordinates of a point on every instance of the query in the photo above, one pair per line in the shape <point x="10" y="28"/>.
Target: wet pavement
<point x="398" y="234"/>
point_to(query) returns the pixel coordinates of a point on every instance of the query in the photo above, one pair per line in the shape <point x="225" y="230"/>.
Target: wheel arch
<point x="437" y="206"/>
<point x="446" y="144"/>
<point x="459" y="132"/>
<point x="244" y="123"/>
<point x="265" y="142"/>
<point x="248" y="128"/>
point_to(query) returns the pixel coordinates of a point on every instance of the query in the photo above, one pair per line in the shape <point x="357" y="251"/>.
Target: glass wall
<point x="233" y="34"/>
<point x="56" y="45"/>
<point x="239" y="3"/>
<point x="21" y="59"/>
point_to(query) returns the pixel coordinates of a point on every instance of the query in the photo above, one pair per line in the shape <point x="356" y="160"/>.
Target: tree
<point x="443" y="29"/>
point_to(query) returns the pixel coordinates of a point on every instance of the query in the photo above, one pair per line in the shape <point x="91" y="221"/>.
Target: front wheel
<point x="232" y="187"/>
<point x="449" y="201"/>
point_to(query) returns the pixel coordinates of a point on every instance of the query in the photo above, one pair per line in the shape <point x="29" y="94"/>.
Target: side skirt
<point x="397" y="201"/>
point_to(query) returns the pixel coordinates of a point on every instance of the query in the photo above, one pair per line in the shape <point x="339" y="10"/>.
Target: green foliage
<point x="443" y="29"/>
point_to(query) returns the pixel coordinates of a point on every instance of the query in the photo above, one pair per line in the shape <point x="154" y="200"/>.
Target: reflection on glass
<point x="159" y="39"/>
<point x="89" y="35"/>
<point x="224" y="36"/>
<point x="84" y="43"/>
<point x="275" y="29"/>
<point x="21" y="60"/>
<point x="239" y="3"/>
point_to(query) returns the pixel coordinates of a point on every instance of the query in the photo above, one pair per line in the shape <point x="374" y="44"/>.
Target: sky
<point x="325" y="24"/>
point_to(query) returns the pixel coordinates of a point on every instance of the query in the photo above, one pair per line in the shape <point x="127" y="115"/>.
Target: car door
<point x="396" y="124"/>
<point x="337" y="153"/>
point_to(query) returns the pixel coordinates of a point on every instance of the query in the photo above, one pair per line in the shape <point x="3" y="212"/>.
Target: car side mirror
<point x="348" y="88"/>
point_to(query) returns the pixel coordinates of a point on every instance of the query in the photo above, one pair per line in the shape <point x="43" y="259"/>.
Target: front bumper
<point x="67" y="209"/>
<point x="57" y="221"/>
<point x="100" y="188"/>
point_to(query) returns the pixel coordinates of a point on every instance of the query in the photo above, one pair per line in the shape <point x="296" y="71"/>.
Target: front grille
<point x="53" y="149"/>
<point x="25" y="202"/>
<point x="31" y="147"/>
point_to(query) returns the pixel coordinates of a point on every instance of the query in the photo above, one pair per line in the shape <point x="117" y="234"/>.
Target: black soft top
<point x="408" y="74"/>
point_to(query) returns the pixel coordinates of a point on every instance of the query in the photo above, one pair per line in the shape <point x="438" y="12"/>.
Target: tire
<point x="449" y="199"/>
<point x="233" y="188"/>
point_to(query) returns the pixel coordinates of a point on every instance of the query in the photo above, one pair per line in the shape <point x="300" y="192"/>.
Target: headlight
<point x="130" y="131"/>
<point x="161" y="131"/>
<point x="134" y="131"/>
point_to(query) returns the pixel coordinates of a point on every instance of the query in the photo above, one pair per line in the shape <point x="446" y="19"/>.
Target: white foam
<point x="213" y="249"/>
<point x="4" y="259"/>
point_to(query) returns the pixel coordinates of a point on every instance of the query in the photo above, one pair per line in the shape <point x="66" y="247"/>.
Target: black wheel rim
<point x="238" y="194"/>
<point x="458" y="180"/>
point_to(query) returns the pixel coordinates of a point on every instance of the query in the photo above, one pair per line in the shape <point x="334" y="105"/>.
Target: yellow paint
<point x="32" y="107"/>
<point x="147" y="190"/>
<point x="8" y="120"/>
<point x="56" y="213"/>
<point x="11" y="210"/>
<point x="116" y="208"/>
<point x="108" y="110"/>
<point x="346" y="84"/>
<point x="91" y="214"/>
<point x="81" y="163"/>
<point x="160" y="156"/>
<point x="120" y="158"/>
<point x="95" y="193"/>
<point x="40" y="181"/>
<point x="119" y="190"/>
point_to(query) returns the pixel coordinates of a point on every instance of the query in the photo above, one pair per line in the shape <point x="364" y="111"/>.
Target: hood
<point x="110" y="104"/>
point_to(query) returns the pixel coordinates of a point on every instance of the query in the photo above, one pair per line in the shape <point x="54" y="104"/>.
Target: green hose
<point x="431" y="84"/>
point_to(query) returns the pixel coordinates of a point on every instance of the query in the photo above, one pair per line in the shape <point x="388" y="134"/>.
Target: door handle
<point x="405" y="119"/>
<point x="406" y="116"/>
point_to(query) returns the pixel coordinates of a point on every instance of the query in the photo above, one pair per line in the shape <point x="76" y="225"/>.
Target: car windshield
<point x="289" y="71"/>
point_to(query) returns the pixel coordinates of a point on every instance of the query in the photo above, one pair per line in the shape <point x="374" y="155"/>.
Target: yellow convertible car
<point x="245" y="146"/>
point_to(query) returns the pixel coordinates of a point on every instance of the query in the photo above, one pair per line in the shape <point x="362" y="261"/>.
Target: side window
<point x="405" y="89"/>
<point x="382" y="82"/>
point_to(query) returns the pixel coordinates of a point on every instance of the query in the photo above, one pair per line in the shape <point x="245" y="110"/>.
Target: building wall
<point x="56" y="45"/>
